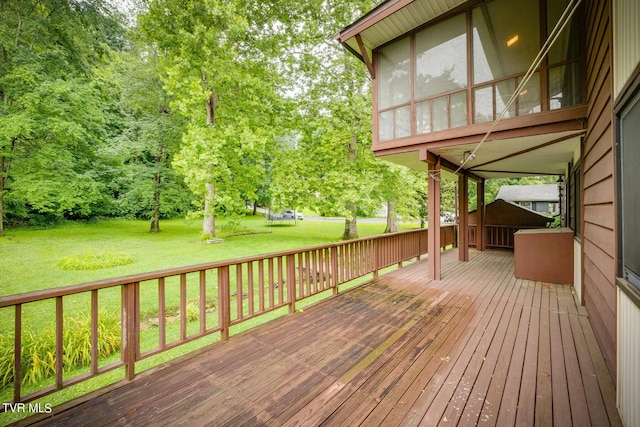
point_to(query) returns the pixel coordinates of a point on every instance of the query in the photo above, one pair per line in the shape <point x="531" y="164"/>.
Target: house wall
<point x="599" y="236"/>
<point x="626" y="47"/>
<point x="626" y="19"/>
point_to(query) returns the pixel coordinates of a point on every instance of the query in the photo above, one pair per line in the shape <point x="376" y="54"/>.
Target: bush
<point x="94" y="261"/>
<point x="38" y="356"/>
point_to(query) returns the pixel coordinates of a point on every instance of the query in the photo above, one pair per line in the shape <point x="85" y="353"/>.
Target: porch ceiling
<point x="546" y="154"/>
<point x="391" y="19"/>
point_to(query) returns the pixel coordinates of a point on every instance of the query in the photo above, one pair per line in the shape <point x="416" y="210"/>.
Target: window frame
<point x="629" y="96"/>
<point x="467" y="10"/>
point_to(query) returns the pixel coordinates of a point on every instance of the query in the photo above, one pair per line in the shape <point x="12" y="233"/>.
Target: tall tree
<point x="151" y="134"/>
<point x="334" y="113"/>
<point x="222" y="79"/>
<point x="49" y="112"/>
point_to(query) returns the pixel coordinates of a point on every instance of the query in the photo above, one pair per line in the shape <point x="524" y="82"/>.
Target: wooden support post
<point x="481" y="232"/>
<point x="129" y="336"/>
<point x="463" y="218"/>
<point x="434" y="261"/>
<point x="224" y="301"/>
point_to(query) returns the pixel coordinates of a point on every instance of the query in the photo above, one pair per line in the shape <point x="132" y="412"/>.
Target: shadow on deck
<point x="477" y="347"/>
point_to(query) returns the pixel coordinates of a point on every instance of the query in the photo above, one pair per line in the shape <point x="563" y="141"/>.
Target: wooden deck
<point x="477" y="347"/>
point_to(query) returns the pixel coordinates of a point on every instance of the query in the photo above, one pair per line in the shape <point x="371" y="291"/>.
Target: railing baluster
<point x="307" y="273"/>
<point x="203" y="301"/>
<point x="94" y="331"/>
<point x="250" y="290"/>
<point x="162" y="315"/>
<point x="17" y="353"/>
<point x="261" y="283"/>
<point x="271" y="283"/>
<point x="59" y="342"/>
<point x="280" y="281"/>
<point x="183" y="306"/>
<point x="239" y="295"/>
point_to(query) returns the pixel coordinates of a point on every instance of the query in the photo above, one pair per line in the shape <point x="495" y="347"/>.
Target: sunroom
<point x="477" y="89"/>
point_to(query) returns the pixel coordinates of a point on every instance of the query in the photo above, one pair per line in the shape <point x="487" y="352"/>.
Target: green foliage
<point x="193" y="312"/>
<point x="94" y="261"/>
<point x="38" y="356"/>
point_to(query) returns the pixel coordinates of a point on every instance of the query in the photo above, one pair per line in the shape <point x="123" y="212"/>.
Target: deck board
<point x="478" y="347"/>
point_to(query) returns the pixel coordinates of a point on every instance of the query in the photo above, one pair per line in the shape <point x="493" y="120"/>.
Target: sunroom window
<point x="425" y="82"/>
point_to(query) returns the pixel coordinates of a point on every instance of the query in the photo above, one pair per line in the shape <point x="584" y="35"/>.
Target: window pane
<point x="567" y="45"/>
<point x="385" y="126"/>
<point x="529" y="98"/>
<point x="394" y="85"/>
<point x="423" y="117"/>
<point x="440" y="116"/>
<point x="565" y="86"/>
<point x="506" y="38"/>
<point x="459" y="109"/>
<point x="483" y="104"/>
<point x="504" y="90"/>
<point x="630" y="200"/>
<point x="403" y="122"/>
<point x="441" y="58"/>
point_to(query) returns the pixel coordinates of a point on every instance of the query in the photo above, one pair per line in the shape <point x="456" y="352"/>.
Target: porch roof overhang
<point x="388" y="21"/>
<point x="545" y="154"/>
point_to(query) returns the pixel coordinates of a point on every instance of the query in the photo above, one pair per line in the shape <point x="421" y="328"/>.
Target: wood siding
<point x="599" y="186"/>
<point x="628" y="348"/>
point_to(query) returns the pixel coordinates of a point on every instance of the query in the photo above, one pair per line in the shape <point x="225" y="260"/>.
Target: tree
<point x="50" y="118"/>
<point x="334" y="114"/>
<point x="222" y="79"/>
<point x="149" y="138"/>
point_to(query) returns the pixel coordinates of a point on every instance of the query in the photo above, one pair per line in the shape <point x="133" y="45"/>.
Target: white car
<point x="290" y="214"/>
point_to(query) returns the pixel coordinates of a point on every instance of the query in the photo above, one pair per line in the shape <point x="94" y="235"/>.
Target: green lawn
<point x="28" y="257"/>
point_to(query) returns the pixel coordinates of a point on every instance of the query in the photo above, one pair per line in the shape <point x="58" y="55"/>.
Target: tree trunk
<point x="4" y="172"/>
<point x="392" y="217"/>
<point x="209" y="222"/>
<point x="351" y="223"/>
<point x="211" y="104"/>
<point x="155" y="204"/>
<point x="255" y="208"/>
<point x="1" y="196"/>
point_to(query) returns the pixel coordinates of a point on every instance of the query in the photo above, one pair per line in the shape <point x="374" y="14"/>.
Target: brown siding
<point x="599" y="185"/>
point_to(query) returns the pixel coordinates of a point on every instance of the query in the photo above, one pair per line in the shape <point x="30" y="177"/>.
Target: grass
<point x="30" y="260"/>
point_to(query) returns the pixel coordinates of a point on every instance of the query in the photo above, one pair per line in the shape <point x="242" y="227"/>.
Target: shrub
<point x="193" y="312"/>
<point x="94" y="261"/>
<point x="38" y="355"/>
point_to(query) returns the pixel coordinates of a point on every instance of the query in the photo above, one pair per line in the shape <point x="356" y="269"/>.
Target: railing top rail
<point x="11" y="300"/>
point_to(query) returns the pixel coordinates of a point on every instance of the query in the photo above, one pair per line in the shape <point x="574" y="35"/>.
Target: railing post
<point x="224" y="300"/>
<point x="291" y="282"/>
<point x="129" y="322"/>
<point x="375" y="258"/>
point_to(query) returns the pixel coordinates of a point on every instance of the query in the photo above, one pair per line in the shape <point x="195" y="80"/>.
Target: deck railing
<point x="497" y="236"/>
<point x="197" y="301"/>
